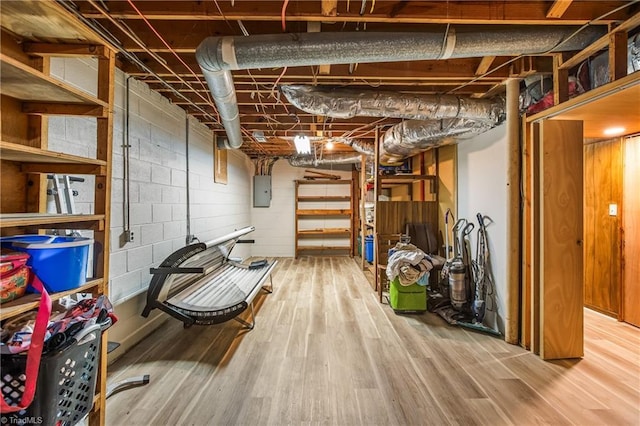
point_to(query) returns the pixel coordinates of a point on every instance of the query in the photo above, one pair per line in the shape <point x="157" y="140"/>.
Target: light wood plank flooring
<point x="324" y="351"/>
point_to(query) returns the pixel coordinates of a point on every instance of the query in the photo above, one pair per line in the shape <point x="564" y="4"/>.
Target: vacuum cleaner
<point x="465" y="283"/>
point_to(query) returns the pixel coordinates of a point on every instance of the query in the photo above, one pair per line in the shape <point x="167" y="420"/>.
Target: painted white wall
<point x="275" y="225"/>
<point x="158" y="189"/>
<point x="482" y="188"/>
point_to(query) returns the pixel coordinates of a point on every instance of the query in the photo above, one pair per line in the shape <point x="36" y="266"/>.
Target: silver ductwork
<point x="224" y="95"/>
<point x="331" y="159"/>
<point x="409" y="137"/>
<point x="218" y="55"/>
<point x="347" y="103"/>
<point x="366" y="148"/>
<point x="434" y="120"/>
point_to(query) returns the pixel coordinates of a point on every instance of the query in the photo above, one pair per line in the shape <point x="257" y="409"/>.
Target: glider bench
<point x="201" y="284"/>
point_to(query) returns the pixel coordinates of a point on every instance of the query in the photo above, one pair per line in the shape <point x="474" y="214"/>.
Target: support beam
<point x="363" y="214"/>
<point x="511" y="317"/>
<point x="315" y="27"/>
<point x="65" y="50"/>
<point x="558" y="8"/>
<point x="53" y="108"/>
<point x="560" y="81"/>
<point x="485" y="64"/>
<point x="617" y="55"/>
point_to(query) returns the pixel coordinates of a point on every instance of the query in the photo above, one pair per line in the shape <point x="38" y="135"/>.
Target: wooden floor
<point x="324" y="351"/>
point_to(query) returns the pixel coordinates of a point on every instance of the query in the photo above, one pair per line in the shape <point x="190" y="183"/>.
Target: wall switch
<point x="613" y="210"/>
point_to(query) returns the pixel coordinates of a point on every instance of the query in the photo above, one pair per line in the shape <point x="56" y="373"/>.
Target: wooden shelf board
<point x="11" y="220"/>
<point x="324" y="212"/>
<point x="322" y="248"/>
<point x="324" y="182"/>
<point x="53" y="24"/>
<point x="324" y="231"/>
<point x="404" y="179"/>
<point x="304" y="198"/>
<point x="31" y="301"/>
<point x="22" y="82"/>
<point x="16" y="152"/>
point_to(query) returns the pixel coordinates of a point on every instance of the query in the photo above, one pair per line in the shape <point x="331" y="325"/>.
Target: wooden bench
<point x="201" y="284"/>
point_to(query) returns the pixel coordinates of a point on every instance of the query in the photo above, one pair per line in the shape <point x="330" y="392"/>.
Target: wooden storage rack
<point x="328" y="213"/>
<point x="29" y="96"/>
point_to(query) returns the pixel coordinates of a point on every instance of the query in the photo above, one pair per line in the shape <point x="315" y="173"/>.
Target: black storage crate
<point x="66" y="383"/>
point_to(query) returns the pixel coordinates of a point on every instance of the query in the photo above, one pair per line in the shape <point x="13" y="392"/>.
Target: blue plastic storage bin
<point x="59" y="262"/>
<point x="368" y="248"/>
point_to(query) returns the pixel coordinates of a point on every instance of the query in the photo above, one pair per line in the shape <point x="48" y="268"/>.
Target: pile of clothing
<point x="411" y="265"/>
<point x="64" y="324"/>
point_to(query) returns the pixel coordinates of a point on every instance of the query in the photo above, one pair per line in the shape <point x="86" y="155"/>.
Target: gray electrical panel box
<point x="261" y="191"/>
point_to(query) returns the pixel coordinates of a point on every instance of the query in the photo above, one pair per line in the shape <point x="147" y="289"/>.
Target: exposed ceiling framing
<point x="164" y="36"/>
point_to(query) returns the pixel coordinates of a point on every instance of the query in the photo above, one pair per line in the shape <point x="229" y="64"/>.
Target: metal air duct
<point x="218" y="55"/>
<point x="348" y="103"/>
<point x="366" y="148"/>
<point x="409" y="137"/>
<point x="331" y="159"/>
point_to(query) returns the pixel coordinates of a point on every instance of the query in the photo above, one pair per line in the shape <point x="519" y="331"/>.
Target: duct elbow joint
<point x="210" y="53"/>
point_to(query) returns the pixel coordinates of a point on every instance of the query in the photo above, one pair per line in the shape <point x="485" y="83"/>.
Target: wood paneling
<point x="631" y="221"/>
<point x="392" y="216"/>
<point x="13" y="187"/>
<point x="561" y="259"/>
<point x="602" y="187"/>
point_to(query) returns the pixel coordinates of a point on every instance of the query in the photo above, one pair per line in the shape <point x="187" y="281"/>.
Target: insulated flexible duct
<point x="218" y="55"/>
<point x="333" y="159"/>
<point x="366" y="148"/>
<point x="409" y="137"/>
<point x="347" y="103"/>
<point x="434" y="119"/>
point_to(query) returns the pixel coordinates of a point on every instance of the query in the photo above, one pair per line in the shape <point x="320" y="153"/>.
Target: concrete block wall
<point x="157" y="212"/>
<point x="75" y="135"/>
<point x="275" y="225"/>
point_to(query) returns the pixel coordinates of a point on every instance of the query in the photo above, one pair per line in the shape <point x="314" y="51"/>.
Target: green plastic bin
<point x="406" y="299"/>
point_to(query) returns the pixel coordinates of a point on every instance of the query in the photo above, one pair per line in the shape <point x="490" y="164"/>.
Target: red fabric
<point x="14" y="276"/>
<point x="547" y="101"/>
<point x="35" y="350"/>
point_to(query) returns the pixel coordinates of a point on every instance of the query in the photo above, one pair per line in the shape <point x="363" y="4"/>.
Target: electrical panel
<point x="261" y="191"/>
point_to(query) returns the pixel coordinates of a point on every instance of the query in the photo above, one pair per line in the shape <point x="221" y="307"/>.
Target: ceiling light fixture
<point x="614" y="131"/>
<point x="303" y="144"/>
<point x="329" y="145"/>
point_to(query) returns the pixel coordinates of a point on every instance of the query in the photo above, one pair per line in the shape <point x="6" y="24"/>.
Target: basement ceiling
<point x="163" y="36"/>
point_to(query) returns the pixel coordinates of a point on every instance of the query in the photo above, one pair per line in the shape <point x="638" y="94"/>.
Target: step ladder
<point x="60" y="199"/>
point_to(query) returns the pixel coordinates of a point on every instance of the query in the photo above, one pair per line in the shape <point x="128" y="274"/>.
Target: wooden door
<point x="602" y="245"/>
<point x="561" y="234"/>
<point x="631" y="233"/>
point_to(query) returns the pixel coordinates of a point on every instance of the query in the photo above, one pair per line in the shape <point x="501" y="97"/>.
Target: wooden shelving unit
<point x="418" y="203"/>
<point x="29" y="96"/>
<point x="320" y="206"/>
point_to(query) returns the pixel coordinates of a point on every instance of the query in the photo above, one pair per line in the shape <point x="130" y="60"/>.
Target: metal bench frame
<point x="160" y="289"/>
